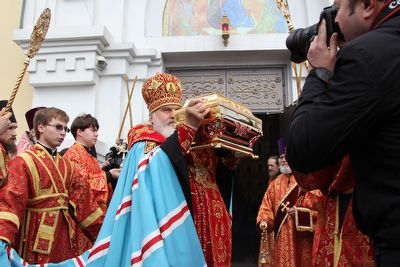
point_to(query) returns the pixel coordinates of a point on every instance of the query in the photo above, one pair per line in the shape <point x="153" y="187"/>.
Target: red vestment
<point x="211" y="217"/>
<point x="45" y="207"/>
<point x="333" y="246"/>
<point x="4" y="164"/>
<point x="87" y="166"/>
<point x="24" y="143"/>
<point x="292" y="247"/>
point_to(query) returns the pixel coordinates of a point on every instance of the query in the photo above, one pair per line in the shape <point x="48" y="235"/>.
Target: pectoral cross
<point x="285" y="206"/>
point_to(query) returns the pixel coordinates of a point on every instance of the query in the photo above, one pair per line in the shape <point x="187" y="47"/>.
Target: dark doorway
<point x="249" y="187"/>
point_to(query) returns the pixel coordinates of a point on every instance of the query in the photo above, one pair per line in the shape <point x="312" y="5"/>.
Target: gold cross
<point x="285" y="206"/>
<point x="60" y="201"/>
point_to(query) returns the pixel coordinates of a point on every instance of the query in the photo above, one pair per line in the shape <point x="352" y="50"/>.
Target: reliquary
<point x="229" y="125"/>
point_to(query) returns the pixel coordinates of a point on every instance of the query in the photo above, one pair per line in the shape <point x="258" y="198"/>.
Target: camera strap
<point x="390" y="8"/>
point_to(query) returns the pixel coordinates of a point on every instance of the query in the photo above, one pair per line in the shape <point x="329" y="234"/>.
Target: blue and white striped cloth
<point x="148" y="222"/>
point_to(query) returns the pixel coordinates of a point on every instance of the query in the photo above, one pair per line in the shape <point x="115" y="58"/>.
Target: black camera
<point x="114" y="158"/>
<point x="298" y="41"/>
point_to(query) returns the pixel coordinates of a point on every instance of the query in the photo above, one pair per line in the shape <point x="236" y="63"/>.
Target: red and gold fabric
<point x="293" y="245"/>
<point x="333" y="246"/>
<point x="145" y="132"/>
<point x="211" y="217"/>
<point x="87" y="166"/>
<point x="47" y="211"/>
<point x="4" y="163"/>
<point x="24" y="143"/>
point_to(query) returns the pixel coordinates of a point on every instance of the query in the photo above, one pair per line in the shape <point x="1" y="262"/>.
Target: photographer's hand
<point x="319" y="54"/>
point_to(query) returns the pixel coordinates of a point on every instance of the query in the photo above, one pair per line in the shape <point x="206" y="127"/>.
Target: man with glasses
<point x="85" y="128"/>
<point x="47" y="211"/>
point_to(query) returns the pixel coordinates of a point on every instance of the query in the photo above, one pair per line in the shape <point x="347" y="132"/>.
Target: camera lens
<point x="298" y="42"/>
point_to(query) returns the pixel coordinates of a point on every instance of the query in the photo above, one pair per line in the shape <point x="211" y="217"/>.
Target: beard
<point x="10" y="147"/>
<point x="163" y="128"/>
<point x="285" y="169"/>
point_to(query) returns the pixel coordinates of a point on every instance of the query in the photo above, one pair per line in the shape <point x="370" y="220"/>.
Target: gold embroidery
<point x="303" y="228"/>
<point x="33" y="171"/>
<point x="134" y="135"/>
<point x="45" y="233"/>
<point x="3" y="169"/>
<point x="91" y="218"/>
<point x="201" y="173"/>
<point x="285" y="206"/>
<point x="41" y="154"/>
<point x="149" y="146"/>
<point x="60" y="201"/>
<point x="10" y="217"/>
<point x="155" y="84"/>
<point x="171" y="88"/>
<point x="46" y="168"/>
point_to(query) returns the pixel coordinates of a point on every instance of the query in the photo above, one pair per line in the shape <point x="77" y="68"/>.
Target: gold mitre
<point x="161" y="90"/>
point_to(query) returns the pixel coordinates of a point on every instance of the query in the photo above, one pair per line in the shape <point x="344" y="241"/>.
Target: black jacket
<point x="357" y="113"/>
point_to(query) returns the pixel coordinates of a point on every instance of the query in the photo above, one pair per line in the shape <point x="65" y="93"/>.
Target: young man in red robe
<point x="85" y="128"/>
<point x="47" y="210"/>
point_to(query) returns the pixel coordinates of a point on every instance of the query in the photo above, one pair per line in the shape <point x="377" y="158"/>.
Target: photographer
<point x="350" y="104"/>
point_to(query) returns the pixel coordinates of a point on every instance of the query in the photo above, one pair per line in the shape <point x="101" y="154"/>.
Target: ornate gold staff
<point x="35" y="42"/>
<point x="284" y="8"/>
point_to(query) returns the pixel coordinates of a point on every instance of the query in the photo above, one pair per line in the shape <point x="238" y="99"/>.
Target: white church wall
<point x="128" y="35"/>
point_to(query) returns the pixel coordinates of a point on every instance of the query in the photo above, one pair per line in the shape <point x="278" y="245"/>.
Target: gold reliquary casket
<point x="229" y="125"/>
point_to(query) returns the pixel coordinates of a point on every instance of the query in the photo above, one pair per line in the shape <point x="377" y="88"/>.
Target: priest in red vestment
<point x="337" y="240"/>
<point x="85" y="128"/>
<point x="47" y="210"/>
<point x="289" y="213"/>
<point x="211" y="217"/>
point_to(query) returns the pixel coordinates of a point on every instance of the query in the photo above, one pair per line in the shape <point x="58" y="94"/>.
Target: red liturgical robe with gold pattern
<point x="292" y="247"/>
<point x="333" y="246"/>
<point x="211" y="217"/>
<point x="4" y="162"/>
<point x="45" y="207"/>
<point x="87" y="166"/>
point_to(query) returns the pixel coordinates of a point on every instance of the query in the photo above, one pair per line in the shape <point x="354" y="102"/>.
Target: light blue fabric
<point x="148" y="220"/>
